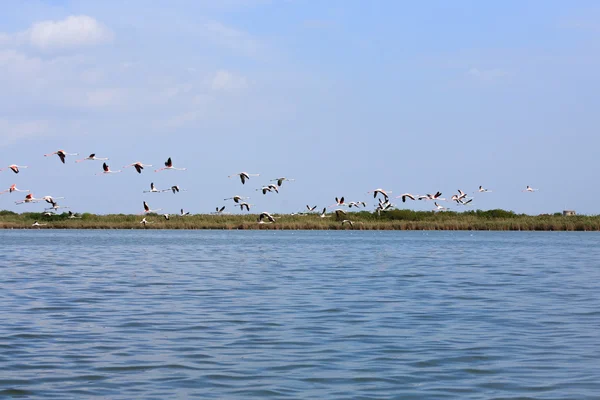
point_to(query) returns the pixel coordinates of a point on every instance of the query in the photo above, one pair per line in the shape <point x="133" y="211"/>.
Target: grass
<point x="392" y="220"/>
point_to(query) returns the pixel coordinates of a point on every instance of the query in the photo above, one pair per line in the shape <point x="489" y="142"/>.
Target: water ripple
<point x="344" y="315"/>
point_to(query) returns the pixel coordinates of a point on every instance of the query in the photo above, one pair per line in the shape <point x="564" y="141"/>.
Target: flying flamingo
<point x="309" y="208"/>
<point x="144" y="222"/>
<point x="380" y="191"/>
<point x="73" y="215"/>
<point x="148" y="210"/>
<point x="237" y="198"/>
<point x="266" y="215"/>
<point x="13" y="188"/>
<point x="406" y="196"/>
<point x="438" y="207"/>
<point x="169" y="166"/>
<point x="153" y="189"/>
<point x="138" y="166"/>
<point x="14" y="168"/>
<point x="281" y="180"/>
<point x="338" y="202"/>
<point x="219" y="210"/>
<point x="61" y="154"/>
<point x="28" y="199"/>
<point x="482" y="190"/>
<point x="183" y="214"/>
<point x="324" y="213"/>
<point x="347" y="221"/>
<point x="176" y="189"/>
<point x="244" y="204"/>
<point x="243" y="176"/>
<point x="106" y="170"/>
<point x="530" y="189"/>
<point x="91" y="157"/>
<point x="37" y="224"/>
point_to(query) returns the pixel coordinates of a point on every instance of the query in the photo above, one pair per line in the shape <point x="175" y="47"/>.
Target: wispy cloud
<point x="225" y="80"/>
<point x="73" y="32"/>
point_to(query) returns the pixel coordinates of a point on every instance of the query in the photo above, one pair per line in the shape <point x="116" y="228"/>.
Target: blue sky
<point x="343" y="96"/>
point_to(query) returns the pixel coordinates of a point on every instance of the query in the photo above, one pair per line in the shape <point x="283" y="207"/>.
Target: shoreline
<point x="494" y="220"/>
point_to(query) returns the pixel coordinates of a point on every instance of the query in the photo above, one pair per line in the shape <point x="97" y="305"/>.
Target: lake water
<point x="299" y="314"/>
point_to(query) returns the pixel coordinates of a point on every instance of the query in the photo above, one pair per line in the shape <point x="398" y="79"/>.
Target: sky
<point x="343" y="96"/>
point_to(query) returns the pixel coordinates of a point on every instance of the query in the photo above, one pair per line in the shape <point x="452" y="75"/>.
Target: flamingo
<point x="281" y="180"/>
<point x="14" y="168"/>
<point x="55" y="207"/>
<point x="431" y="196"/>
<point x="144" y="222"/>
<point x="91" y="157"/>
<point x="268" y="188"/>
<point x="37" y="224"/>
<point x="50" y="199"/>
<point x="463" y="202"/>
<point x="324" y="213"/>
<point x="147" y="209"/>
<point x="356" y="204"/>
<point x="176" y="189"/>
<point x="153" y="189"/>
<point x="236" y="198"/>
<point x="347" y="221"/>
<point x="338" y="202"/>
<point x="219" y="210"/>
<point x="166" y="216"/>
<point x="183" y="214"/>
<point x="530" y="189"/>
<point x="266" y="215"/>
<point x="169" y="166"/>
<point x="73" y="215"/>
<point x="138" y="166"/>
<point x="339" y="212"/>
<point x="482" y="190"/>
<point x="380" y="191"/>
<point x="406" y="196"/>
<point x="244" y="204"/>
<point x="106" y="170"/>
<point x="309" y="208"/>
<point x="438" y="207"/>
<point x="61" y="154"/>
<point x="13" y="188"/>
<point x="28" y="199"/>
<point x="243" y="176"/>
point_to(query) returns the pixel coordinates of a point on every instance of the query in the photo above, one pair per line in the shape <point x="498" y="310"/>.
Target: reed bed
<point x="498" y="220"/>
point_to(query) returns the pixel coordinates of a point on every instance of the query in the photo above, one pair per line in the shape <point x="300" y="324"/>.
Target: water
<point x="264" y="314"/>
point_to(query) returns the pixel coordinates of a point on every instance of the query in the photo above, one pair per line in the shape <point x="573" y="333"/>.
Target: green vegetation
<point x="390" y="220"/>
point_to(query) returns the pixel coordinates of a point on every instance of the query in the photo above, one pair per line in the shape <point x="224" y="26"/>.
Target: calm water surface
<point x="293" y="314"/>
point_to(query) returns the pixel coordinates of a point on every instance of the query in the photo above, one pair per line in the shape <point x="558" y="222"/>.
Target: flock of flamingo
<point x="382" y="196"/>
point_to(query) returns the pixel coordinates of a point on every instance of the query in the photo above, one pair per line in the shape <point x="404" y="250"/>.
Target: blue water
<point x="305" y="315"/>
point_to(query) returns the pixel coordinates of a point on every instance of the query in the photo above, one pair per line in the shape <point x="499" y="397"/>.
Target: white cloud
<point x="75" y="31"/>
<point x="229" y="37"/>
<point x="72" y="32"/>
<point x="225" y="80"/>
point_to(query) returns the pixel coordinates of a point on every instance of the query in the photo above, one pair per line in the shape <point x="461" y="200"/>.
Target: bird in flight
<point x="169" y="166"/>
<point x="281" y="180"/>
<point x="148" y="210"/>
<point x="138" y="166"/>
<point x="106" y="170"/>
<point x="243" y="176"/>
<point x="61" y="154"/>
<point x="14" y="168"/>
<point x="265" y="215"/>
<point x="91" y="157"/>
<point x="530" y="189"/>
